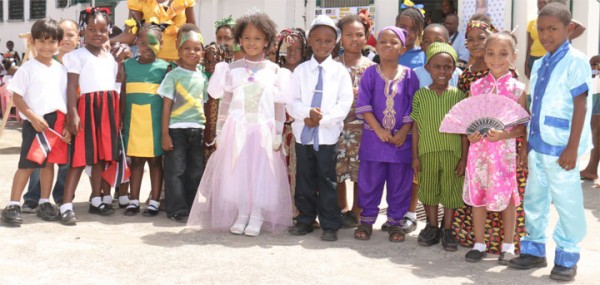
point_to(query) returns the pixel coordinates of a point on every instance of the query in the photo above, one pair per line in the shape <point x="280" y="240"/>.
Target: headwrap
<point x="437" y="48"/>
<point x="191" y="35"/>
<point x="401" y="33"/>
<point x="478" y="24"/>
<point x="365" y="18"/>
<point x="286" y="38"/>
<point x="229" y="21"/>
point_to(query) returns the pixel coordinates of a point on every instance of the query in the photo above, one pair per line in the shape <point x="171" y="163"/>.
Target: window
<point x="16" y="10"/>
<point x="37" y="9"/>
<point x="62" y="3"/>
<point x="1" y="10"/>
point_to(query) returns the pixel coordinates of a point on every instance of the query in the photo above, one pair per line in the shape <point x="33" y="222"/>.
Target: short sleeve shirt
<point x="428" y="111"/>
<point x="187" y="89"/>
<point x="96" y="73"/>
<point x="537" y="49"/>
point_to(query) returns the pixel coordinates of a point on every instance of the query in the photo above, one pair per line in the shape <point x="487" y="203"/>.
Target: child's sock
<point x="17" y="203"/>
<point x="508" y="247"/>
<point x="42" y="201"/>
<point x="479" y="246"/>
<point x="135" y="202"/>
<point x="107" y="199"/>
<point x="411" y="215"/>
<point x="96" y="201"/>
<point x="154" y="204"/>
<point x="65" y="207"/>
<point x="124" y="200"/>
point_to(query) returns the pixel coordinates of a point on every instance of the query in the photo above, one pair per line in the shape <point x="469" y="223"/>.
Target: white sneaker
<point x="253" y="228"/>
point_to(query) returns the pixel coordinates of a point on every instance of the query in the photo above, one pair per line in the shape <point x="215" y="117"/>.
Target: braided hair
<point x="91" y="13"/>
<point x="417" y="18"/>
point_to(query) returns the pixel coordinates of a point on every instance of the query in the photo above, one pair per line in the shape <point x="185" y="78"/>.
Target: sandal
<point x="396" y="234"/>
<point x="151" y="211"/>
<point x="132" y="210"/>
<point x="363" y="232"/>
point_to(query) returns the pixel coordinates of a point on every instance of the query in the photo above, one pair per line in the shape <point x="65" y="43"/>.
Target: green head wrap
<point x="437" y="48"/>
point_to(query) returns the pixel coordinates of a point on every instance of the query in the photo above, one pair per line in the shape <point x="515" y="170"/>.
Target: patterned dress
<point x="462" y="221"/>
<point x="348" y="144"/>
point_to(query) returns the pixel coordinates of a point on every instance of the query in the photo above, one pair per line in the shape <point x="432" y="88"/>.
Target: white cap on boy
<point x="323" y="20"/>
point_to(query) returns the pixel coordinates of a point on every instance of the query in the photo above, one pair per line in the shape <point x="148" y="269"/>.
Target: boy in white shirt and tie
<point x="321" y="97"/>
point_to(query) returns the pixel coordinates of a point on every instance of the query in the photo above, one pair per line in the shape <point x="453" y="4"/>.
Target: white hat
<point x="323" y="20"/>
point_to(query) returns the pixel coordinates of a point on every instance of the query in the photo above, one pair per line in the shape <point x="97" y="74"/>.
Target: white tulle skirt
<point x="249" y="182"/>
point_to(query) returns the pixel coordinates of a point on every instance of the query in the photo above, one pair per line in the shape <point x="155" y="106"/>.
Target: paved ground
<point x="126" y="250"/>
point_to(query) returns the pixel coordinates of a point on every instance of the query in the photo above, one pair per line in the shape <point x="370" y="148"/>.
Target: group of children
<point x="375" y="124"/>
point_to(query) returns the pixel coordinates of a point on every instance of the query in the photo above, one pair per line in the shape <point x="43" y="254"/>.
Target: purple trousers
<point x="372" y="176"/>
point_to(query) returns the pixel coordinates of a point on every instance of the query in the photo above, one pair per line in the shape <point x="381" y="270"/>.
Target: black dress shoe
<point x="47" y="212"/>
<point x="448" y="241"/>
<point x="300" y="229"/>
<point x="150" y="211"/>
<point x="68" y="218"/>
<point x="181" y="218"/>
<point x="329" y="235"/>
<point x="528" y="261"/>
<point x="474" y="255"/>
<point x="11" y="216"/>
<point x="563" y="273"/>
<point x="132" y="210"/>
<point x="102" y="210"/>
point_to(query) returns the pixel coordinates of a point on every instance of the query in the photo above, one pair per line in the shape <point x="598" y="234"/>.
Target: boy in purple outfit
<point x="385" y="102"/>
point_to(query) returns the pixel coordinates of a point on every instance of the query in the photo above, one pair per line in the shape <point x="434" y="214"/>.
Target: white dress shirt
<point x="459" y="44"/>
<point x="336" y="103"/>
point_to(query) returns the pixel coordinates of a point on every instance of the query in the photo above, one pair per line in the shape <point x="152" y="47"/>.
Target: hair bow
<point x="365" y="17"/>
<point x="408" y="3"/>
<point x="132" y="24"/>
<point x="229" y="21"/>
<point x="97" y="9"/>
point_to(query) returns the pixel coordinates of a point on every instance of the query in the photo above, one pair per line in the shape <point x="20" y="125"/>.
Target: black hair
<point x="557" y="10"/>
<point x="151" y="28"/>
<point x="417" y="18"/>
<point x="349" y="19"/>
<point x="504" y="35"/>
<point x="46" y="29"/>
<point x="261" y="21"/>
<point x="300" y="34"/>
<point x="452" y="15"/>
<point x="91" y="13"/>
<point x="224" y="27"/>
<point x="438" y="26"/>
<point x="481" y="17"/>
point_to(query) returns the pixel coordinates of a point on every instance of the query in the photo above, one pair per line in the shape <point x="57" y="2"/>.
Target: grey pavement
<point x="138" y="250"/>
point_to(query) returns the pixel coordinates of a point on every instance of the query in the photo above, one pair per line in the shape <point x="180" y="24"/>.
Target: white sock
<point x="411" y="215"/>
<point x="508" y="247"/>
<point x="479" y="246"/>
<point x="123" y="200"/>
<point x="42" y="201"/>
<point x="107" y="199"/>
<point x="154" y="204"/>
<point x="135" y="202"/>
<point x="96" y="201"/>
<point x="10" y="203"/>
<point x="65" y="207"/>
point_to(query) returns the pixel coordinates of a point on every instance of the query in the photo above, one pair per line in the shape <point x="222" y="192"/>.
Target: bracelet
<point x="211" y="143"/>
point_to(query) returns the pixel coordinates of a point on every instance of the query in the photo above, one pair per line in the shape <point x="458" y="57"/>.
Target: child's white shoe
<point x="253" y="228"/>
<point x="239" y="226"/>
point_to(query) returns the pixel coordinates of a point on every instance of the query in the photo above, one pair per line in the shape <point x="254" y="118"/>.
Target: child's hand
<point x="398" y="139"/>
<point x="568" y="158"/>
<point x="460" y="167"/>
<point x="167" y="143"/>
<point x="74" y="123"/>
<point x="416" y="165"/>
<point x="496" y="135"/>
<point x="384" y="135"/>
<point x="38" y="123"/>
<point x="475" y="137"/>
<point x="315" y="114"/>
<point x="66" y="136"/>
<point x="310" y="123"/>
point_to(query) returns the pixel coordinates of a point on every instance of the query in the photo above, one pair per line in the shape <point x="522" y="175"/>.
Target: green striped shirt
<point x="428" y="111"/>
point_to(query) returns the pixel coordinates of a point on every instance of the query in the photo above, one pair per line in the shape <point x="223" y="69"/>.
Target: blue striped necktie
<point x="309" y="133"/>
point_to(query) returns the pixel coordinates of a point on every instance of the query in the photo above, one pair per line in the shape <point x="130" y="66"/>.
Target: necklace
<point x="251" y="71"/>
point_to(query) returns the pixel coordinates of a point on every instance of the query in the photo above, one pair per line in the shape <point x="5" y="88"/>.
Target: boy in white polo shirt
<point x="39" y="91"/>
